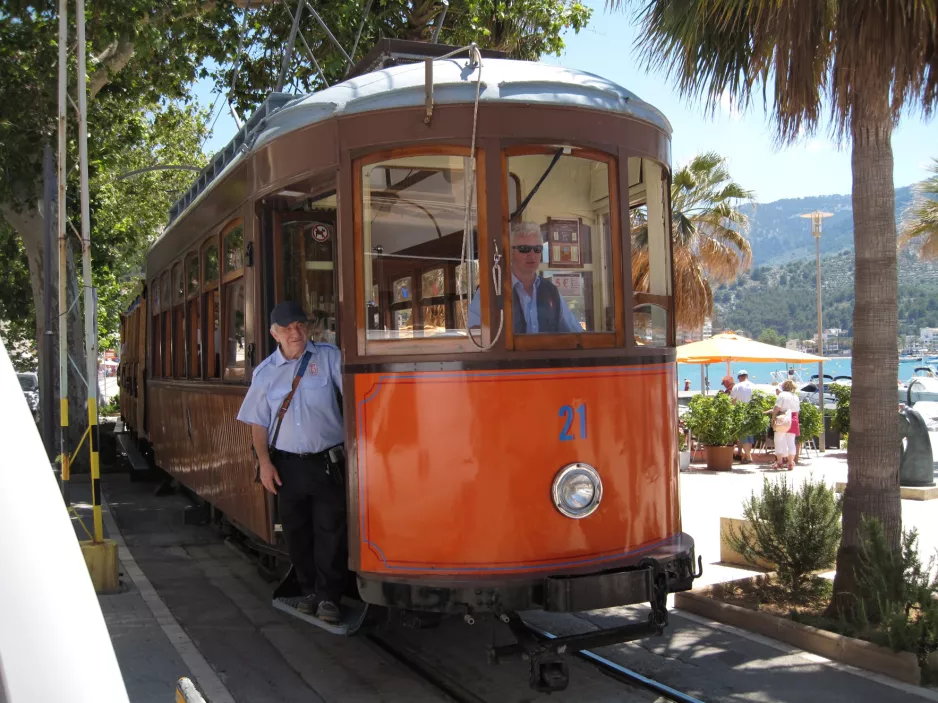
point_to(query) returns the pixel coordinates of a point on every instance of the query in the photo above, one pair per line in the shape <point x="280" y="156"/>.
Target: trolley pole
<point x="63" y="269"/>
<point x="94" y="441"/>
<point x="817" y="219"/>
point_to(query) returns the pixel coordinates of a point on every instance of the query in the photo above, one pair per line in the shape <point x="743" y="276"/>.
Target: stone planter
<point x="684" y="460"/>
<point x="720" y="458"/>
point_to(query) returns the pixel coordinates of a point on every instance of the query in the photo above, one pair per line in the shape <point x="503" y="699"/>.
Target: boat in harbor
<point x="922" y="386"/>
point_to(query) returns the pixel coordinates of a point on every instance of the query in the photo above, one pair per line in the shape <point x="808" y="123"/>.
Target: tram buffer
<point x="297" y="432"/>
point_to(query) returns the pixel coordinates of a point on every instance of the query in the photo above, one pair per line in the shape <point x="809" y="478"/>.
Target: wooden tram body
<point x="353" y="200"/>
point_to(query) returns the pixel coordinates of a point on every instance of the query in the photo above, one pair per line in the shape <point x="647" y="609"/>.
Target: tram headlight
<point x="577" y="490"/>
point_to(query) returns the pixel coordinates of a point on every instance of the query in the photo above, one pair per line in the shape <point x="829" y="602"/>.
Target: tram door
<point x="306" y="263"/>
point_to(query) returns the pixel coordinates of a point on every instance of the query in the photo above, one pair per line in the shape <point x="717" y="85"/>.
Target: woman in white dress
<point x="784" y="418"/>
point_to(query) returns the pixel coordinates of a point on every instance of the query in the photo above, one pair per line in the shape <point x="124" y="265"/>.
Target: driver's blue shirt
<point x="313" y="422"/>
<point x="567" y="323"/>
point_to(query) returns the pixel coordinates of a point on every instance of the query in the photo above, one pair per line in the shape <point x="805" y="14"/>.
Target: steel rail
<point x="617" y="671"/>
<point x="445" y="684"/>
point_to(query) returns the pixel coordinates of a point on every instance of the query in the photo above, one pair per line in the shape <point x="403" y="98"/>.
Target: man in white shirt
<point x="742" y="393"/>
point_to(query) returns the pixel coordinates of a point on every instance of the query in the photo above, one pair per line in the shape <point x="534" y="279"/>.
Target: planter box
<point x="684" y="460"/>
<point x="728" y="555"/>
<point x="831" y="436"/>
<point x="865" y="655"/>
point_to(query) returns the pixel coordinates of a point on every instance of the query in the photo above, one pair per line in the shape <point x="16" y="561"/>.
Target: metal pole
<point x="63" y="270"/>
<point x="94" y="440"/>
<point x="288" y="53"/>
<point x="820" y="334"/>
<point x="46" y="351"/>
<point x="325" y="28"/>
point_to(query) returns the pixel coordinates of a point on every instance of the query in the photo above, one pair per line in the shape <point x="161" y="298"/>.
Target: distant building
<point x="928" y="334"/>
<point x="685" y="336"/>
<point x="795" y="345"/>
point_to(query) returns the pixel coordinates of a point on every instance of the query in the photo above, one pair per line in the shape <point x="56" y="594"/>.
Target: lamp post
<point x="817" y="218"/>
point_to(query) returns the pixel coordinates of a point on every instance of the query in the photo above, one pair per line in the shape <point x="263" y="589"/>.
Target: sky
<point x="814" y="166"/>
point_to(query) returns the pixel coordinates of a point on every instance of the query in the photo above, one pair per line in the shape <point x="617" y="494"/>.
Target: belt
<point x="293" y="455"/>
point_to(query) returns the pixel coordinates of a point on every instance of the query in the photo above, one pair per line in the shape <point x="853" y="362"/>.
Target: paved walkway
<point x="706" y="496"/>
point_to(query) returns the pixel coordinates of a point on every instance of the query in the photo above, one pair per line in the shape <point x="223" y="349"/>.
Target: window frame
<point x="193" y="302"/>
<point x="579" y="340"/>
<point x="166" y="323"/>
<point x="229" y="373"/>
<point x="421" y="345"/>
<point x="180" y="367"/>
<point x="207" y="292"/>
<point x="156" y="333"/>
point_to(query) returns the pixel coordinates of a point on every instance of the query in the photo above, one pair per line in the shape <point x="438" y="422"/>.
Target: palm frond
<point x="920" y="220"/>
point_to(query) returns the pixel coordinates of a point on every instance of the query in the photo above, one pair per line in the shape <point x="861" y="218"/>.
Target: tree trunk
<point x="29" y="224"/>
<point x="873" y="457"/>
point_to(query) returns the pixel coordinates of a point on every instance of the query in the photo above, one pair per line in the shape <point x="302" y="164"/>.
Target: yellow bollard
<point x="101" y="559"/>
<point x="186" y="692"/>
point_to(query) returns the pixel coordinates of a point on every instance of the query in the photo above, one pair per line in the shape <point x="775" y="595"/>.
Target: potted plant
<point x="716" y="422"/>
<point x="684" y="450"/>
<point x="809" y="424"/>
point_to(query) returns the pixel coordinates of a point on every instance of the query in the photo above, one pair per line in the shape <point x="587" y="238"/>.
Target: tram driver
<point x="299" y="455"/>
<point x="537" y="305"/>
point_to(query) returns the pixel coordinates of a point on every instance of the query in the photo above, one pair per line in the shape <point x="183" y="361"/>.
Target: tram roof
<point x="454" y="82"/>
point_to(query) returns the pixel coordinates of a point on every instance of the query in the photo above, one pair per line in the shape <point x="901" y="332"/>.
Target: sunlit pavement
<point x="706" y="496"/>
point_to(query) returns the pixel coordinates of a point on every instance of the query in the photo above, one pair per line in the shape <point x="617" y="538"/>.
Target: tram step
<point x="353" y="615"/>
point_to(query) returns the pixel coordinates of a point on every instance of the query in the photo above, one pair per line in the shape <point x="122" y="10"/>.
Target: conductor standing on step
<point x="298" y="441"/>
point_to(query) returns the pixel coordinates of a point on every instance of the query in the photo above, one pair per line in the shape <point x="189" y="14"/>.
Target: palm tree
<point x="708" y="236"/>
<point x="868" y="62"/>
<point x="921" y="219"/>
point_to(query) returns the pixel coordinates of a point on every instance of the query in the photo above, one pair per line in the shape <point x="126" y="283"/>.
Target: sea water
<point x="762" y="372"/>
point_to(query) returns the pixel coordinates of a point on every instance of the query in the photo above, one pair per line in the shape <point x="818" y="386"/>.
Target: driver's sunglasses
<point x="528" y="248"/>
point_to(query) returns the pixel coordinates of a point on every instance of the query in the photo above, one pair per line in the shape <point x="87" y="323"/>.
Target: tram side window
<point x="156" y="363"/>
<point x="307" y="241"/>
<point x="211" y="296"/>
<point x="651" y="253"/>
<point x="233" y="296"/>
<point x="561" y="261"/>
<point x="416" y="250"/>
<point x="193" y="317"/>
<point x="179" y="321"/>
<point x="166" y="324"/>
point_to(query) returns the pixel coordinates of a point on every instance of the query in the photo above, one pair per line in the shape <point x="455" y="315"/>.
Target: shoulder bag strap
<point x="285" y="405"/>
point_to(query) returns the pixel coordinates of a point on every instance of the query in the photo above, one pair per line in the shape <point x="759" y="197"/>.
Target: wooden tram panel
<point x="455" y="468"/>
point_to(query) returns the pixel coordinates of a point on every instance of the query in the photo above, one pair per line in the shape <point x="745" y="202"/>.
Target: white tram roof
<point x="454" y="82"/>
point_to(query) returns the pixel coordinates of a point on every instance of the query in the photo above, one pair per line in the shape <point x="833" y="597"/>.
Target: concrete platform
<point x="905" y="492"/>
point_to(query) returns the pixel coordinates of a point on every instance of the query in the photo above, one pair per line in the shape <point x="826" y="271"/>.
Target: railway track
<point x="456" y="690"/>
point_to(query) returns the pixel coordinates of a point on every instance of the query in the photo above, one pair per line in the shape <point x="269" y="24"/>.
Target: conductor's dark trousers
<point x="313" y="516"/>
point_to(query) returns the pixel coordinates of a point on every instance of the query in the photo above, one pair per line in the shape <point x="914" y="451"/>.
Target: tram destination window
<point x="651" y="253"/>
<point x="561" y="258"/>
<point x="416" y="248"/>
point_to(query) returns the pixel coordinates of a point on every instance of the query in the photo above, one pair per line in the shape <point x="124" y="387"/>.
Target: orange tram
<point x="491" y="469"/>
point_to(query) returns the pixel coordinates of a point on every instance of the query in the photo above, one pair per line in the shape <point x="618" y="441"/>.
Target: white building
<point x="928" y="334"/>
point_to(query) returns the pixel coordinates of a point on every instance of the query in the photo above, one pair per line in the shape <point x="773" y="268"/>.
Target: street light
<point x="817" y="218"/>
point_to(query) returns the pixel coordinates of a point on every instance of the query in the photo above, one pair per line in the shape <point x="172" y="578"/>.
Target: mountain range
<point x="779" y="290"/>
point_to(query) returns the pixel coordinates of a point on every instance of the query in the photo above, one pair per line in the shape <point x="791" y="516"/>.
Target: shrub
<point x="755" y="421"/>
<point x="798" y="531"/>
<point x="899" y="592"/>
<point x="715" y="420"/>
<point x="841" y="421"/>
<point x="111" y="407"/>
<point x="809" y="421"/>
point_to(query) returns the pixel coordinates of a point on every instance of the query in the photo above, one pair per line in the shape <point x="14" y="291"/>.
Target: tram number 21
<point x="567" y="412"/>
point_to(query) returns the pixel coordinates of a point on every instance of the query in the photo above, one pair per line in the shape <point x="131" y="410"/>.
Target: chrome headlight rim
<point x="566" y="474"/>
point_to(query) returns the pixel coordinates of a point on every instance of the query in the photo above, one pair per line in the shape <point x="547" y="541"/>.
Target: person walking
<point x="742" y="393"/>
<point x="784" y="421"/>
<point x="297" y="430"/>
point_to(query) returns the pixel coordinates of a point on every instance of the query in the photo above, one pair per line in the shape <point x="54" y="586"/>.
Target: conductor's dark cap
<point x="287" y="313"/>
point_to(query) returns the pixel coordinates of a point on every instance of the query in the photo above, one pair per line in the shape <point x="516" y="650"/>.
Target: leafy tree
<point x="921" y="219"/>
<point x="708" y="236"/>
<point x="869" y="64"/>
<point x="770" y="336"/>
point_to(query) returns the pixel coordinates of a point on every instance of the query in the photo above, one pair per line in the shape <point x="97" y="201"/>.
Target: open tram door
<point x="303" y="267"/>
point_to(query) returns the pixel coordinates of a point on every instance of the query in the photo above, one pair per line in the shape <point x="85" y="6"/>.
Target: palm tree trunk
<point x="873" y="458"/>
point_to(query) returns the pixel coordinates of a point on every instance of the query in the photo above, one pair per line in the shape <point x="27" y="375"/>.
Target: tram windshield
<point x="417" y="256"/>
<point x="561" y="259"/>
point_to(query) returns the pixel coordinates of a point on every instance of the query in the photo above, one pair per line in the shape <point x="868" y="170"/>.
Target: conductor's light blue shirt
<point x="313" y="422"/>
